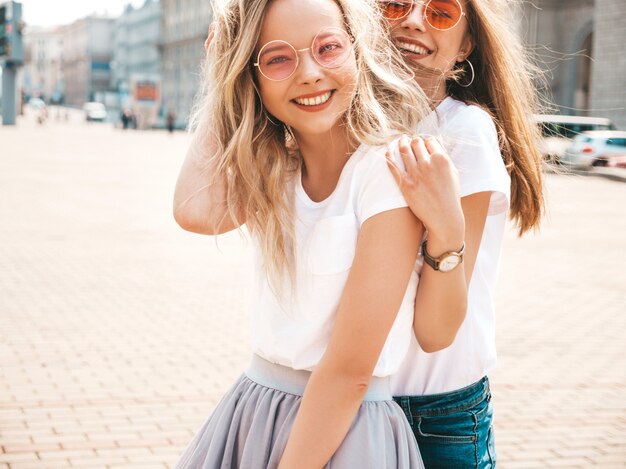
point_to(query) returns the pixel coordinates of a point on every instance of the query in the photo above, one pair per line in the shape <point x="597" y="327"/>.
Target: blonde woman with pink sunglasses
<point x="300" y="100"/>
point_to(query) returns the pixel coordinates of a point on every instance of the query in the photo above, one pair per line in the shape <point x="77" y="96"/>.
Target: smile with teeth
<point x="315" y="101"/>
<point x="413" y="48"/>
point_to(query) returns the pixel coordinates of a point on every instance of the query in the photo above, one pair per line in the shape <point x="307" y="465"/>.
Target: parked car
<point x="617" y="162"/>
<point x="36" y="103"/>
<point x="596" y="148"/>
<point x="95" y="111"/>
<point x="558" y="131"/>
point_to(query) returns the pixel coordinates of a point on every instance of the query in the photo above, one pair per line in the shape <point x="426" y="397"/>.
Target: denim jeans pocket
<point x="462" y="426"/>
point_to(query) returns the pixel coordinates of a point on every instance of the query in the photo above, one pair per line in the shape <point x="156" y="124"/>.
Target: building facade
<point x="184" y="29"/>
<point x="577" y="43"/>
<point x="42" y="73"/>
<point x="136" y="66"/>
<point x="87" y="55"/>
<point x="608" y="73"/>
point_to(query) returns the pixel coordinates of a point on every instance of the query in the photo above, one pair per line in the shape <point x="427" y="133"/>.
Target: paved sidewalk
<point x="119" y="332"/>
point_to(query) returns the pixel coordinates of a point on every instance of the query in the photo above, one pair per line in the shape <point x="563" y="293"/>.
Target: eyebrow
<point x="273" y="48"/>
<point x="326" y="34"/>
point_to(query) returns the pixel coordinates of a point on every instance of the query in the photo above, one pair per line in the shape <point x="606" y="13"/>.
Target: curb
<point x="613" y="174"/>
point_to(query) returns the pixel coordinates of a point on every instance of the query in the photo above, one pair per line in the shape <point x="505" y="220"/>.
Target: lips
<point x="412" y="46"/>
<point x="314" y="102"/>
<point x="316" y="99"/>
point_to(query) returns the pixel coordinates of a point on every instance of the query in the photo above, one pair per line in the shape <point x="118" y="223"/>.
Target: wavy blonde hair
<point x="258" y="159"/>
<point x="504" y="87"/>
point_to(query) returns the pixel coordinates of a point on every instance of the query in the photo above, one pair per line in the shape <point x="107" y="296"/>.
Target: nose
<point x="309" y="71"/>
<point x="415" y="19"/>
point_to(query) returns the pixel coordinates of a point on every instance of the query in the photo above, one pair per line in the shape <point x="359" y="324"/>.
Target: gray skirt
<point x="250" y="426"/>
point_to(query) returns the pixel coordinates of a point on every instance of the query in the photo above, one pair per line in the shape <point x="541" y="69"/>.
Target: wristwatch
<point x="447" y="262"/>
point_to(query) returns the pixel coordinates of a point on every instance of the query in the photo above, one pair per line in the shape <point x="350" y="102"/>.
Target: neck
<point x="324" y="157"/>
<point x="434" y="88"/>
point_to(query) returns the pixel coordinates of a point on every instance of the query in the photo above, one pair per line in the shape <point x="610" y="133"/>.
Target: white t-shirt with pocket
<point x="470" y="137"/>
<point x="293" y="328"/>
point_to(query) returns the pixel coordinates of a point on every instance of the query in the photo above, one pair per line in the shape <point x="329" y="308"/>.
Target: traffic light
<point x="11" y="25"/>
<point x="4" y="40"/>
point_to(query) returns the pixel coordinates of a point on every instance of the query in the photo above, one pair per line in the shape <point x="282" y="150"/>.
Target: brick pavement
<point x="119" y="331"/>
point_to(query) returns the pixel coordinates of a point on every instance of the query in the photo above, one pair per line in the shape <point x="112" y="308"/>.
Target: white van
<point x="557" y="132"/>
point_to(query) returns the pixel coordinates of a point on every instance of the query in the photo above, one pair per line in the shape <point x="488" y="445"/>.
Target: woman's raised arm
<point x="200" y="202"/>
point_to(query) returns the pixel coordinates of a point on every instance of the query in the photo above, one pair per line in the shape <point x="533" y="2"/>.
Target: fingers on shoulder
<point x="420" y="152"/>
<point x="407" y="153"/>
<point x="438" y="154"/>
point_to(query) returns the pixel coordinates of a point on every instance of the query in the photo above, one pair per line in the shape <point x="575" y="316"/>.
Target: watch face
<point x="448" y="263"/>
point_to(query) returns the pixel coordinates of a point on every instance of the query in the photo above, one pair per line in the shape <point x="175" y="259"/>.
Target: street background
<point x="120" y="331"/>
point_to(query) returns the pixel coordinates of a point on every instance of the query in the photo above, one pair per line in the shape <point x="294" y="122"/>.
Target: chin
<point x="312" y="130"/>
<point x="315" y="125"/>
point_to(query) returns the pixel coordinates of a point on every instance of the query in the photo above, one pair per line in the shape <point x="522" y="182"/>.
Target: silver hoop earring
<point x="473" y="75"/>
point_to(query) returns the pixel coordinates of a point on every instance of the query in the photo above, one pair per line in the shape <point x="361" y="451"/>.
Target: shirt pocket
<point x="333" y="244"/>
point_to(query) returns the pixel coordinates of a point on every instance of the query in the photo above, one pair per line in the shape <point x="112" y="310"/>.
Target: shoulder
<point x="467" y="120"/>
<point x="471" y="139"/>
<point x="468" y="131"/>
<point x="369" y="158"/>
<point x="370" y="165"/>
<point x="373" y="185"/>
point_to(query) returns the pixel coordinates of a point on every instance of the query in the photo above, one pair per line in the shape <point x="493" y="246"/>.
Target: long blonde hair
<point x="257" y="157"/>
<point x="503" y="86"/>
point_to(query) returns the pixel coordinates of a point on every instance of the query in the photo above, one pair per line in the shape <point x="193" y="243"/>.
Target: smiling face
<point x="314" y="98"/>
<point x="420" y="42"/>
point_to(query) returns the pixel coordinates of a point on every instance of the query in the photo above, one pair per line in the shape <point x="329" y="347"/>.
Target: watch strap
<point x="435" y="261"/>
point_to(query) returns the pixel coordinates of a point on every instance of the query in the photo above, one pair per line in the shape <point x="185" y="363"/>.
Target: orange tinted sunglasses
<point x="439" y="14"/>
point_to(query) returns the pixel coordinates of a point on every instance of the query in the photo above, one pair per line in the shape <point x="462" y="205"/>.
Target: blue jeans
<point x="453" y="429"/>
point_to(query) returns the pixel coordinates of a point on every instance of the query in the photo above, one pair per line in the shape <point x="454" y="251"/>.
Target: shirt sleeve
<point x="377" y="190"/>
<point x="472" y="143"/>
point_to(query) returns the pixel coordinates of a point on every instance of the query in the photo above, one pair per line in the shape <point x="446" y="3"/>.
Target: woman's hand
<point x="430" y="185"/>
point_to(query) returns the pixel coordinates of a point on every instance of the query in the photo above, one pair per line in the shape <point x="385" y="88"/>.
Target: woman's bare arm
<point x="441" y="301"/>
<point x="385" y="255"/>
<point x="430" y="185"/>
<point x="200" y="198"/>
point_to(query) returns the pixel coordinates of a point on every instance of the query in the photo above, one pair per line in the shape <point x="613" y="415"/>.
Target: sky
<point x="58" y="12"/>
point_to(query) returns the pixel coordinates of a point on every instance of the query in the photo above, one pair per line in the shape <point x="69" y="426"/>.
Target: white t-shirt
<point x="293" y="328"/>
<point x="470" y="137"/>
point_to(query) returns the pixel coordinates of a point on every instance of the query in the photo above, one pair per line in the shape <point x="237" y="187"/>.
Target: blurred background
<point x="145" y="55"/>
<point x="138" y="65"/>
<point x="119" y="332"/>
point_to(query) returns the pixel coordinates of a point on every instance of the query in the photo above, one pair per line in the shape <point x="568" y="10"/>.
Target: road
<point x="119" y="331"/>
